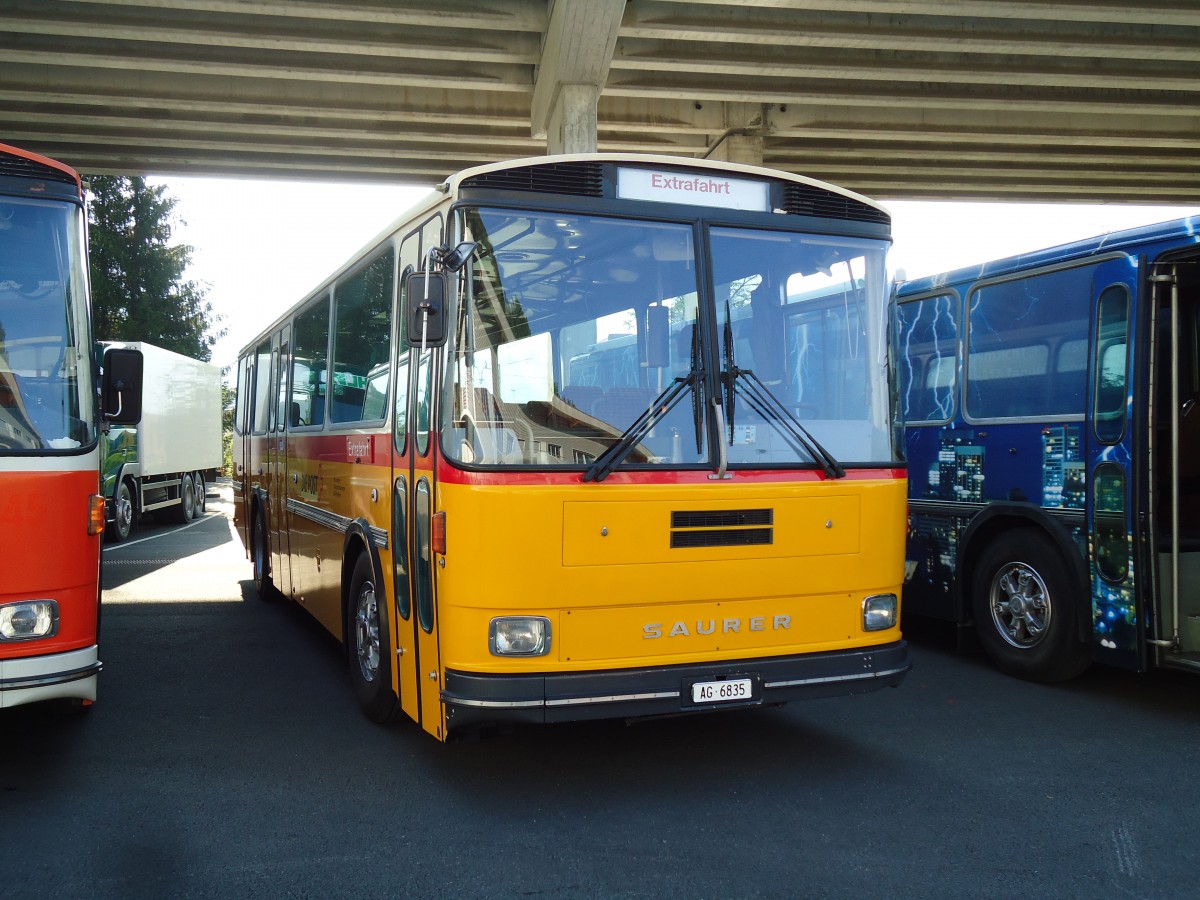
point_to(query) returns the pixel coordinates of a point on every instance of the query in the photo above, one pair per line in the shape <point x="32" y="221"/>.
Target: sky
<point x="259" y="246"/>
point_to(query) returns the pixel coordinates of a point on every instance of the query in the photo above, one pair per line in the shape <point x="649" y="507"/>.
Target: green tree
<point x="139" y="292"/>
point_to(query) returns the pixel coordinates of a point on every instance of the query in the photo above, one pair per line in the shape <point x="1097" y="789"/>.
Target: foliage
<point x="228" y="406"/>
<point x="138" y="288"/>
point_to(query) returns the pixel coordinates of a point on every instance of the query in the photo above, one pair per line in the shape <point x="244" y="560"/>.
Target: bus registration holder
<point x="729" y="690"/>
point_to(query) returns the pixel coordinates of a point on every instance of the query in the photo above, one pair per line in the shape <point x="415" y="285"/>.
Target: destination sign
<point x="692" y="188"/>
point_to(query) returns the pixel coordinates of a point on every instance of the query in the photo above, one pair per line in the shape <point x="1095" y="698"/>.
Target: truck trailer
<point x="165" y="462"/>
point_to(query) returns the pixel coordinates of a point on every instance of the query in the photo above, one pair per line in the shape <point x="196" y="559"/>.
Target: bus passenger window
<point x="310" y="337"/>
<point x="1111" y="341"/>
<point x="262" y="387"/>
<point x="1020" y="364"/>
<point x="927" y="334"/>
<point x="361" y="344"/>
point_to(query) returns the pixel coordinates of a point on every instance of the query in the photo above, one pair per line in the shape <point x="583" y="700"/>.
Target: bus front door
<point x="419" y="677"/>
<point x="1175" y="459"/>
<point x="277" y="467"/>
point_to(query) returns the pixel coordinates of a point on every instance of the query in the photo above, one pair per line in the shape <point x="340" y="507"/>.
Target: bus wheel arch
<point x="1025" y="589"/>
<point x="260" y="551"/>
<point x="367" y="629"/>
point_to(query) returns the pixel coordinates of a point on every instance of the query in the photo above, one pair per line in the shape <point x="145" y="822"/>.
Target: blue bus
<point x="1048" y="407"/>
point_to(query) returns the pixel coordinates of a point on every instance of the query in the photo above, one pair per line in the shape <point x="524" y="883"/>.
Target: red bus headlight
<point x="28" y="620"/>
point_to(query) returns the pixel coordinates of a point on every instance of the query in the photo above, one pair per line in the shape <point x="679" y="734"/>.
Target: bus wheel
<point x="187" y="500"/>
<point x="121" y="526"/>
<point x="262" y="576"/>
<point x="1026" y="608"/>
<point x="368" y="645"/>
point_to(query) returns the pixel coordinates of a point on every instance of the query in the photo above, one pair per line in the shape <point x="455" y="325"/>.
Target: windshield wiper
<point x="655" y="413"/>
<point x="767" y="405"/>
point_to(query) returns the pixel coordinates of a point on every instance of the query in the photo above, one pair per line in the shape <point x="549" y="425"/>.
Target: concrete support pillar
<point x="572" y="125"/>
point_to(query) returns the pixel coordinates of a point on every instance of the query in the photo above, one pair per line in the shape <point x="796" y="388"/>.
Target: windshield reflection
<point x="573" y="330"/>
<point x="45" y="376"/>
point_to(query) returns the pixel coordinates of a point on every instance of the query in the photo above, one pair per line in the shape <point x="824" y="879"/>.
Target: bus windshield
<point x="46" y="399"/>
<point x="573" y="328"/>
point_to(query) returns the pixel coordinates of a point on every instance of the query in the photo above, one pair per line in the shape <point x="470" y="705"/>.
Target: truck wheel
<point x="201" y="491"/>
<point x="187" y="500"/>
<point x="262" y="565"/>
<point x="1027" y="608"/>
<point x="369" y="647"/>
<point x="121" y="526"/>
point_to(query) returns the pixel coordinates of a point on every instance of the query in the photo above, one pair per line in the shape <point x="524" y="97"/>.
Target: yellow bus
<point x="585" y="437"/>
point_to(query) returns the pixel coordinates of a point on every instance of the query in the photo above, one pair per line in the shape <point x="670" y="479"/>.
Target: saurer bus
<point x="51" y="509"/>
<point x="588" y="436"/>
<point x="1054" y="452"/>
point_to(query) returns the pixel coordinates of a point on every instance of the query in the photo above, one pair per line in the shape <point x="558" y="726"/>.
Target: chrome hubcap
<point x="1020" y="605"/>
<point x="366" y="633"/>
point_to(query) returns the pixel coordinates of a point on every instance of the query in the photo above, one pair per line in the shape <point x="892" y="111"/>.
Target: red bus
<point x="50" y="502"/>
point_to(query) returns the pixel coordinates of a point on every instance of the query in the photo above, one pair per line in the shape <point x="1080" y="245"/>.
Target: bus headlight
<point x="28" y="620"/>
<point x="519" y="636"/>
<point x="879" y="612"/>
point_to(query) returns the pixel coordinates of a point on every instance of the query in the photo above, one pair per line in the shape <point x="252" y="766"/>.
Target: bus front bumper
<point x="29" y="679"/>
<point x="474" y="700"/>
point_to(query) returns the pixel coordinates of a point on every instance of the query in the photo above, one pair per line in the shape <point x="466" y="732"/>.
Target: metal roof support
<point x="742" y="140"/>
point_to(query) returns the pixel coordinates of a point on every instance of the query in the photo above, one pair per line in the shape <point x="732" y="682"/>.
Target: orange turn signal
<point x="95" y="514"/>
<point x="437" y="538"/>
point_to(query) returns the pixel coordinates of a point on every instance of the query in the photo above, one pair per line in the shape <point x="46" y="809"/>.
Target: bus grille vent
<point x="583" y="179"/>
<point x="809" y="200"/>
<point x="19" y="167"/>
<point x="723" y="537"/>
<point x="722" y="527"/>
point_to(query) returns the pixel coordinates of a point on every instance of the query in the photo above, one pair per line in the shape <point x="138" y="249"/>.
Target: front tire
<point x="1027" y="608"/>
<point x="121" y="526"/>
<point x="186" y="509"/>
<point x="369" y="648"/>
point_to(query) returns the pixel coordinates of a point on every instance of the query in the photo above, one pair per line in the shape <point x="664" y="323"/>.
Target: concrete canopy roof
<point x="897" y="99"/>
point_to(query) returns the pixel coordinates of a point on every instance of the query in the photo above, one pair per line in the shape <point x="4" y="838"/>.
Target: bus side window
<point x="1016" y="331"/>
<point x="1112" y="337"/>
<point x="928" y="344"/>
<point x="262" y="387"/>
<point x="242" y="400"/>
<point x="310" y="338"/>
<point x="362" y="340"/>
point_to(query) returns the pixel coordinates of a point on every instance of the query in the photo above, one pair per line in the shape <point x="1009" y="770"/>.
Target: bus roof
<point x="1175" y="229"/>
<point x="451" y="184"/>
<point x="32" y="171"/>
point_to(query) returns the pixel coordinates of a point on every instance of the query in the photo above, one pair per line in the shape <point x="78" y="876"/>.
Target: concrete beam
<point x="576" y="55"/>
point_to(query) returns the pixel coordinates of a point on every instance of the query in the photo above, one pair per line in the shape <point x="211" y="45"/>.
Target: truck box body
<point x="165" y="461"/>
<point x="181" y="413"/>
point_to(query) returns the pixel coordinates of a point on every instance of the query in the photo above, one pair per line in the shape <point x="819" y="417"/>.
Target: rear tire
<point x="201" y="492"/>
<point x="1027" y="608"/>
<point x="368" y="646"/>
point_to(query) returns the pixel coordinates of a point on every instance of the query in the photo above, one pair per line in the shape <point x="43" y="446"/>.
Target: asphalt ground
<point x="226" y="757"/>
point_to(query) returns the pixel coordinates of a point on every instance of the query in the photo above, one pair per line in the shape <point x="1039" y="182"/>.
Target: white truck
<point x="164" y="462"/>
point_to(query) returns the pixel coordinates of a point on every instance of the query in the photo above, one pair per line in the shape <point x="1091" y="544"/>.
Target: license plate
<point x="721" y="691"/>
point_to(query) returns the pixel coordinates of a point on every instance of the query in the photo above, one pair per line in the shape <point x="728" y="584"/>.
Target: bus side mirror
<point x="425" y="301"/>
<point x="121" y="387"/>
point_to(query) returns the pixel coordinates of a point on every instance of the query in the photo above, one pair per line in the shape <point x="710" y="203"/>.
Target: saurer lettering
<point x="711" y="626"/>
